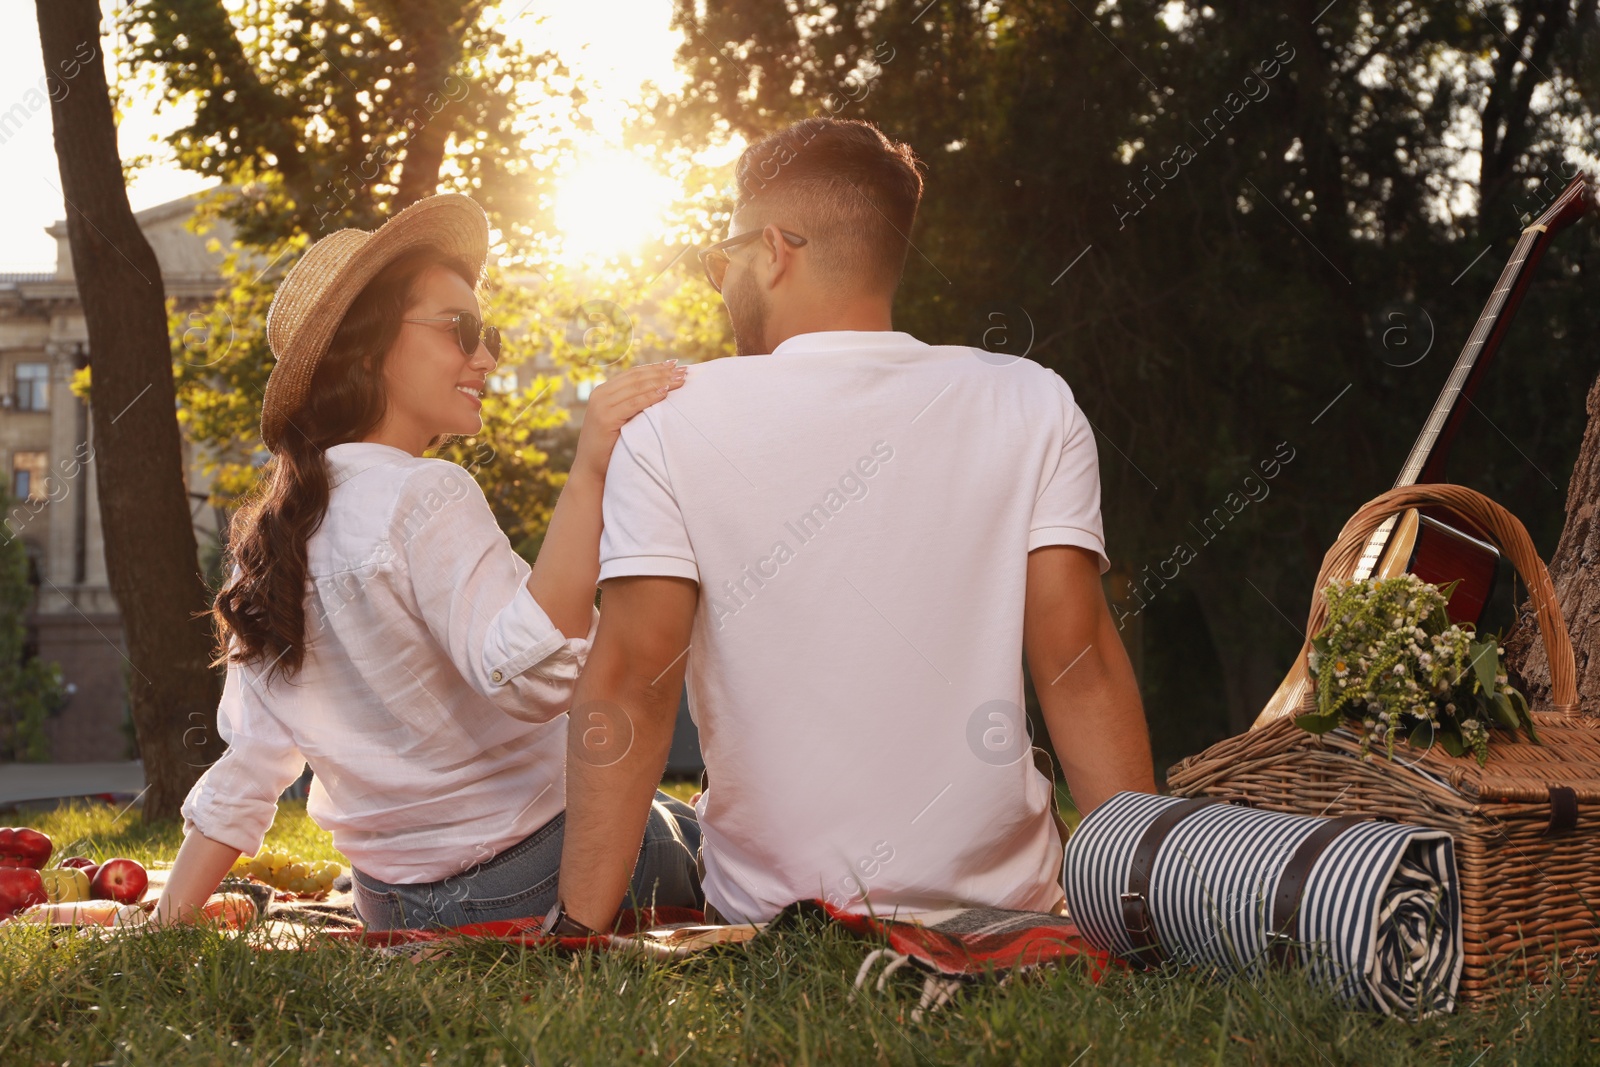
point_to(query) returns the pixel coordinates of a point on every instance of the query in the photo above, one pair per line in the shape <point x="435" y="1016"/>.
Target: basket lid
<point x="1519" y="771"/>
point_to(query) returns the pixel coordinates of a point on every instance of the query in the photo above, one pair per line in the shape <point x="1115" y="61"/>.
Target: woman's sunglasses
<point x="470" y="330"/>
<point x="714" y="258"/>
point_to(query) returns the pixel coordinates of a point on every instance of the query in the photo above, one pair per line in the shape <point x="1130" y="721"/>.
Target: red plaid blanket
<point x="951" y="946"/>
<point x="976" y="941"/>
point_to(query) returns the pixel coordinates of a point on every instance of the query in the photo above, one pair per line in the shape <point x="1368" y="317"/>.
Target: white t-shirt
<point x="431" y="701"/>
<point x="858" y="508"/>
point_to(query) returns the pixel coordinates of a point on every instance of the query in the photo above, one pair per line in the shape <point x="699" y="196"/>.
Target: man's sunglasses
<point x="470" y="330"/>
<point x="715" y="257"/>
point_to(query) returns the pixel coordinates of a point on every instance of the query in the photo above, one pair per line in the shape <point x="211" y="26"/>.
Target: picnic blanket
<point x="951" y="948"/>
<point x="958" y="946"/>
<point x="1373" y="909"/>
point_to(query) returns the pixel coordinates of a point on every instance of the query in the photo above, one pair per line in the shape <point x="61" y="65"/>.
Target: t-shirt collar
<point x="846" y="340"/>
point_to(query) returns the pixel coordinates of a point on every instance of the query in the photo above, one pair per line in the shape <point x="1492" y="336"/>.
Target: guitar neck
<point x="1426" y="461"/>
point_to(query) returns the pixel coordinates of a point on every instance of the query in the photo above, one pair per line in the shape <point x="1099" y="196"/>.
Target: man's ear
<point x="777" y="254"/>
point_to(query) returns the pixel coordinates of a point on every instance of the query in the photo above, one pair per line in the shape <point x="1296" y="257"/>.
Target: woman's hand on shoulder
<point x="613" y="403"/>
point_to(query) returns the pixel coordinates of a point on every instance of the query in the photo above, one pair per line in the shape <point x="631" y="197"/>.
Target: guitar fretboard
<point x="1451" y="395"/>
<point x="1572" y="202"/>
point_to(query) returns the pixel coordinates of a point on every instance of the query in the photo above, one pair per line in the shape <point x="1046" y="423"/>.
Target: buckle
<point x="1283" y="948"/>
<point x="1141" y="904"/>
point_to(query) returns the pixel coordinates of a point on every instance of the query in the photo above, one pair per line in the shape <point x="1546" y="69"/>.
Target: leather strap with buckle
<point x="1292" y="886"/>
<point x="1147" y="950"/>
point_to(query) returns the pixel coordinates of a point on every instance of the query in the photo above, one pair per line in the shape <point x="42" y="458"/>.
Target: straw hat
<point x="313" y="298"/>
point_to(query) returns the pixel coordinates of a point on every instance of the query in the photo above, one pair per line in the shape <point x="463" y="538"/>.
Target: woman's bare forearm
<point x="200" y="867"/>
<point x="564" y="575"/>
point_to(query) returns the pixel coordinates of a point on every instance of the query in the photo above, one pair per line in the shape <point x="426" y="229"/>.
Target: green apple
<point x="65" y="885"/>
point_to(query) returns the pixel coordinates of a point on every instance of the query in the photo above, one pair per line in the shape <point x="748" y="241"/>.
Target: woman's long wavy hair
<point x="261" y="609"/>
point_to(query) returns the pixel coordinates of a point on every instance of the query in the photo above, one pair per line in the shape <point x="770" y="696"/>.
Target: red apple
<point x="120" y="879"/>
<point x="20" y="887"/>
<point x="22" y="847"/>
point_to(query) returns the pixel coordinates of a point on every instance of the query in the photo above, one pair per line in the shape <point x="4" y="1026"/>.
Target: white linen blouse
<point x="431" y="699"/>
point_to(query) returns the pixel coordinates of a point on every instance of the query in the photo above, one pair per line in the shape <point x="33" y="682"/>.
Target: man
<point x="846" y="539"/>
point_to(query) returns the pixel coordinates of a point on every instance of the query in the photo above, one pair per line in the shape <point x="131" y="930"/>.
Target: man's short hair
<point x="845" y="187"/>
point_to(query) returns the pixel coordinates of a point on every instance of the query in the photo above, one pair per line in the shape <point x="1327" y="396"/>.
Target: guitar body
<point x="1441" y="553"/>
<point x="1434" y="544"/>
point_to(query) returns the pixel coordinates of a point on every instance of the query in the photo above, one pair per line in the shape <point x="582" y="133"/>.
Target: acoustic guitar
<point x="1435" y="544"/>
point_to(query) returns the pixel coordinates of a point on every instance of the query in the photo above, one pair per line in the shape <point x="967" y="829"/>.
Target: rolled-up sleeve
<point x="470" y="588"/>
<point x="236" y="799"/>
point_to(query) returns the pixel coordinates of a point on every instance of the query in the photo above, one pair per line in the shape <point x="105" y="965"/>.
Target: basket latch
<point x="1563" y="810"/>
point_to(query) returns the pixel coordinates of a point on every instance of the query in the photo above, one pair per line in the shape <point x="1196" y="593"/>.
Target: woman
<point x="378" y="624"/>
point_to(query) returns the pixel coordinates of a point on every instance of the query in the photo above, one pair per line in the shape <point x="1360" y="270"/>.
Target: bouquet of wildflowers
<point x="1390" y="658"/>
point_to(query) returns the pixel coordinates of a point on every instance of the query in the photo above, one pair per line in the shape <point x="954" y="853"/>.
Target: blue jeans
<point x="520" y="882"/>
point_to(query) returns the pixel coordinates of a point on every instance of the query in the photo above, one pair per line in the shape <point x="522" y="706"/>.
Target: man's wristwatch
<point x="559" y="924"/>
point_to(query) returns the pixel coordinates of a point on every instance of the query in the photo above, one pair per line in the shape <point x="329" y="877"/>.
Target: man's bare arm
<point x="1085" y="683"/>
<point x="621" y="730"/>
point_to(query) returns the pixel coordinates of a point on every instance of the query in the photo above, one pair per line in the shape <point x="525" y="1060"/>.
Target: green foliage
<point x="320" y="114"/>
<point x="30" y="688"/>
<point x="1391" y="659"/>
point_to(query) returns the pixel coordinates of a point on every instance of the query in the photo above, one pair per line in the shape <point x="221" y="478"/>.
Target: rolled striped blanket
<point x="1372" y="908"/>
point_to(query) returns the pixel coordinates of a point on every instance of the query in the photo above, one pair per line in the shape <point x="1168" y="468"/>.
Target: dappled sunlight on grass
<point x="100" y="831"/>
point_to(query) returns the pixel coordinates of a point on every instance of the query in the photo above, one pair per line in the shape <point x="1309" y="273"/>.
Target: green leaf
<point x="1317" y="722"/>
<point x="1422" y="735"/>
<point x="1503" y="713"/>
<point x="1485" y="663"/>
<point x="1451" y="740"/>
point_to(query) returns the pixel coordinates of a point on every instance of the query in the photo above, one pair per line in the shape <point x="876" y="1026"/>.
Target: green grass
<point x="682" y="789"/>
<point x="100" y="832"/>
<point x="196" y="997"/>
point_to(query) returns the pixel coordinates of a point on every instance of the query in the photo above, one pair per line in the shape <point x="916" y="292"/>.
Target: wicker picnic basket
<point x="1526" y="825"/>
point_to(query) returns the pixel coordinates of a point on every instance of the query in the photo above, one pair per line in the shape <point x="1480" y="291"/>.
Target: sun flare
<point x="610" y="203"/>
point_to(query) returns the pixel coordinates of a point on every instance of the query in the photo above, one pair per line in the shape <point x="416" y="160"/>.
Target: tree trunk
<point x="1572" y="571"/>
<point x="434" y="41"/>
<point x="151" y="555"/>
